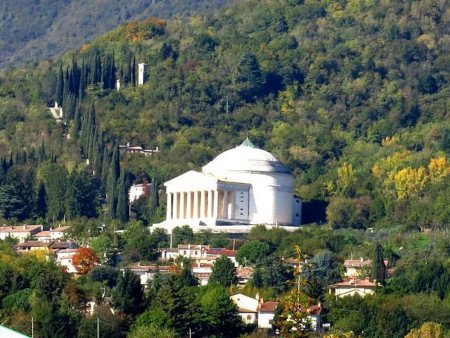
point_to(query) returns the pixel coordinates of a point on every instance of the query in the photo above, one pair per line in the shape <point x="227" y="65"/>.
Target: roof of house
<point x="355" y="283"/>
<point x="244" y="272"/>
<point x="43" y="234"/>
<point x="20" y="228"/>
<point x="267" y="307"/>
<point x="358" y="263"/>
<point x="33" y="244"/>
<point x="139" y="267"/>
<point x="221" y="252"/>
<point x="192" y="246"/>
<point x="62" y="245"/>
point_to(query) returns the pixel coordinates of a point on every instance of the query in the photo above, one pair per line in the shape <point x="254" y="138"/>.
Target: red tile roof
<point x="43" y="234"/>
<point x="20" y="228"/>
<point x="356" y="283"/>
<point x="221" y="252"/>
<point x="267" y="307"/>
<point x="244" y="272"/>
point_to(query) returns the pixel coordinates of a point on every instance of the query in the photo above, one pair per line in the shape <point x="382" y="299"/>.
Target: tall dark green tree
<point x="122" y="209"/>
<point x="223" y="272"/>
<point x="378" y="266"/>
<point x="128" y="295"/>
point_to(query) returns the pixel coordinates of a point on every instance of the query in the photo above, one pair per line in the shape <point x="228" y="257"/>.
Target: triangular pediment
<point x="192" y="181"/>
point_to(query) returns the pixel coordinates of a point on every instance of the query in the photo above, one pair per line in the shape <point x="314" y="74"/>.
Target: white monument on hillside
<point x="141" y="73"/>
<point x="242" y="186"/>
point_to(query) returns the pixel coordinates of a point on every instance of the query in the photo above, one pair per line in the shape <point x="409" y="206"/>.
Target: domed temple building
<point x="242" y="186"/>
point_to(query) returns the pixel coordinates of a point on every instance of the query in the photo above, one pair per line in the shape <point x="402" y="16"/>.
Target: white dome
<point x="245" y="157"/>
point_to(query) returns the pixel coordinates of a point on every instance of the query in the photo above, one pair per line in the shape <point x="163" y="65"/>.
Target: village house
<point x="247" y="308"/>
<point x="28" y="246"/>
<point x="244" y="274"/>
<point x="52" y="234"/>
<point x="20" y="232"/>
<point x="266" y="313"/>
<point x="137" y="150"/>
<point x="185" y="250"/>
<point x="64" y="258"/>
<point x="352" y="287"/>
<point x="137" y="190"/>
<point x="146" y="273"/>
<point x="215" y="253"/>
<point x="60" y="232"/>
<point x="51" y="247"/>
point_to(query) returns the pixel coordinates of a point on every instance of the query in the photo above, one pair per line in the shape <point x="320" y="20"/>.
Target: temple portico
<point x="196" y="199"/>
<point x="200" y="204"/>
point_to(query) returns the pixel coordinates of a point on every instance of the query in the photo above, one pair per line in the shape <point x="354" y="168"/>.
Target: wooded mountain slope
<point x="352" y="95"/>
<point x="34" y="30"/>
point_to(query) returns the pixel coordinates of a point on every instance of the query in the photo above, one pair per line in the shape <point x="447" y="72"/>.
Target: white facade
<point x="141" y="73"/>
<point x="20" y="232"/>
<point x="247" y="307"/>
<point x="242" y="186"/>
<point x="60" y="232"/>
<point x="64" y="258"/>
<point x="137" y="190"/>
<point x="265" y="320"/>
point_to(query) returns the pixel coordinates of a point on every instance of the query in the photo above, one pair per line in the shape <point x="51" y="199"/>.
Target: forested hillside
<point x="34" y="30"/>
<point x="353" y="96"/>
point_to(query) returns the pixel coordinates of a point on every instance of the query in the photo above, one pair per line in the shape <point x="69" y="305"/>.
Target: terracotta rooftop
<point x="32" y="244"/>
<point x="20" y="228"/>
<point x="43" y="234"/>
<point x="244" y="272"/>
<point x="353" y="282"/>
<point x="222" y="252"/>
<point x="267" y="306"/>
<point x="62" y="245"/>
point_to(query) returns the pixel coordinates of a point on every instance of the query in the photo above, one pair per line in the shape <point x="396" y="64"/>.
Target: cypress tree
<point x="41" y="201"/>
<point x="378" y="266"/>
<point x="122" y="199"/>
<point x="41" y="153"/>
<point x="114" y="172"/>
<point x="133" y="71"/>
<point x="60" y="85"/>
<point x="105" y="168"/>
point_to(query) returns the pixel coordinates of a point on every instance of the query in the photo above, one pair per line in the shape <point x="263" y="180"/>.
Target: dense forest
<point x="33" y="30"/>
<point x="352" y="95"/>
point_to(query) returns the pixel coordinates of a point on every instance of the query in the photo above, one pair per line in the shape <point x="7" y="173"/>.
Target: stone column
<point x="175" y="205"/>
<point x="169" y="206"/>
<point x="202" y="204"/>
<point x="209" y="212"/>
<point x="231" y="209"/>
<point x="182" y="206"/>
<point x="196" y="215"/>
<point x="189" y="205"/>
<point x="225" y="205"/>
<point x="216" y="204"/>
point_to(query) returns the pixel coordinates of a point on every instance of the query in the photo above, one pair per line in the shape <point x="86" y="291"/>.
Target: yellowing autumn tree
<point x="410" y="182"/>
<point x="427" y="330"/>
<point x="439" y="168"/>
